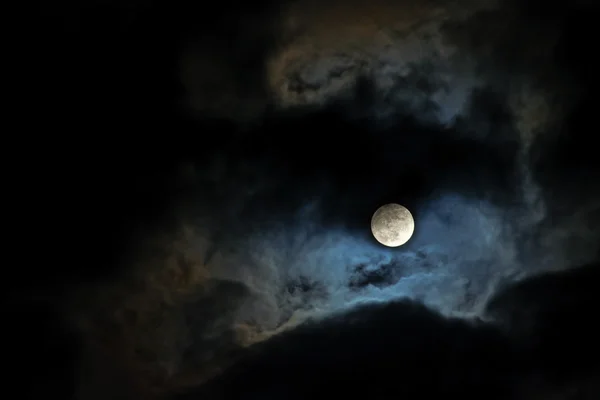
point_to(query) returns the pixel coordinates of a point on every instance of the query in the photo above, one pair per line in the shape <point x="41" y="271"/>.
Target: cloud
<point x="266" y="223"/>
<point x="425" y="60"/>
<point x="261" y="243"/>
<point x="552" y="313"/>
<point x="404" y="348"/>
<point x="369" y="346"/>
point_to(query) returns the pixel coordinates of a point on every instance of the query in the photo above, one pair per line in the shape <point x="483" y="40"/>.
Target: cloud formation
<point x="404" y="348"/>
<point x="306" y="117"/>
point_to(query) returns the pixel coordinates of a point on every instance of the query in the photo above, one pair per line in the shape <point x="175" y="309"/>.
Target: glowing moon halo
<point x="392" y="225"/>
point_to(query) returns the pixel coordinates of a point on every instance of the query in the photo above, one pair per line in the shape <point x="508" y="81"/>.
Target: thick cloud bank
<point x="401" y="348"/>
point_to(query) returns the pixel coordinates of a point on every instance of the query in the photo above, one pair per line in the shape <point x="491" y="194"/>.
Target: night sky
<point x="199" y="179"/>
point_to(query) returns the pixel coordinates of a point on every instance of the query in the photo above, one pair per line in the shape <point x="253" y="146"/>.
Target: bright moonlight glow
<point x="392" y="225"/>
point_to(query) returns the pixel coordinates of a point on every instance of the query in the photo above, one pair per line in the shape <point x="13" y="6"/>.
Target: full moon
<point x="392" y="225"/>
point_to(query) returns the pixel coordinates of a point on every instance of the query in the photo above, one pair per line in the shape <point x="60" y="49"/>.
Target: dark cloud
<point x="552" y="313"/>
<point x="402" y="348"/>
<point x="375" y="350"/>
<point x="225" y="164"/>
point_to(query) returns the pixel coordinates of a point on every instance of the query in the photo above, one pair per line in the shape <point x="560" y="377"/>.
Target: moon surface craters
<point x="392" y="225"/>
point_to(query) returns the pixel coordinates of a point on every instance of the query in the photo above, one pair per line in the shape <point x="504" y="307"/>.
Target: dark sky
<point x="200" y="179"/>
